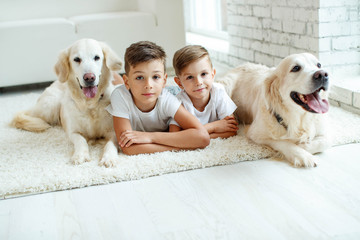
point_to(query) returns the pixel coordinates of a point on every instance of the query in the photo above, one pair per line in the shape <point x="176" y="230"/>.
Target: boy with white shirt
<point x="142" y="108"/>
<point x="202" y="97"/>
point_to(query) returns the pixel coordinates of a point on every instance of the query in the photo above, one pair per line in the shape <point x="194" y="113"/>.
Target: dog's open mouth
<point x="90" y="91"/>
<point x="311" y="102"/>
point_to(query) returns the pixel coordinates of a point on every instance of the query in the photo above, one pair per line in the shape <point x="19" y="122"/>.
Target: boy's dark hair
<point x="188" y="54"/>
<point x="143" y="51"/>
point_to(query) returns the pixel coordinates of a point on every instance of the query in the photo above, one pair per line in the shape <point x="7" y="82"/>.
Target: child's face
<point x="197" y="79"/>
<point x="146" y="81"/>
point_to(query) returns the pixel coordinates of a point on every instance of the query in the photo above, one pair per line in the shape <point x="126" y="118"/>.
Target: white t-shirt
<point x="157" y="120"/>
<point x="219" y="106"/>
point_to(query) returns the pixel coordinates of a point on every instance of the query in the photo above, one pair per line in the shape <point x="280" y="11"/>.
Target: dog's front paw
<point x="108" y="161"/>
<point x="305" y="159"/>
<point x="80" y="157"/>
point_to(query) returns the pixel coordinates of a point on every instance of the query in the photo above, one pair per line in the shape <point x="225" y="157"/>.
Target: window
<point x="207" y="17"/>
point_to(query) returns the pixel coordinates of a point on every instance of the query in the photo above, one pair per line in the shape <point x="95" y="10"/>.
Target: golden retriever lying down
<point x="285" y="105"/>
<point x="77" y="100"/>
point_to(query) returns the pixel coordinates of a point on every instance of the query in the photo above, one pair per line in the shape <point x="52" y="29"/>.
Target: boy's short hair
<point x="143" y="51"/>
<point x="188" y="54"/>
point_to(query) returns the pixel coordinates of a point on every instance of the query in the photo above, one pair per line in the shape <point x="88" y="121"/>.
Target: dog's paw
<point x="108" y="161"/>
<point x="79" y="158"/>
<point x="305" y="160"/>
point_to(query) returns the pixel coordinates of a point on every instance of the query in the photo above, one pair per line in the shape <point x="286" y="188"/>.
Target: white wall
<point x="339" y="33"/>
<point x="267" y="31"/>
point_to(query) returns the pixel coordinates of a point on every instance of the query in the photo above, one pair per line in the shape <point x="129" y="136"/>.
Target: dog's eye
<point x="318" y="65"/>
<point x="96" y="58"/>
<point x="77" y="59"/>
<point x="296" y="68"/>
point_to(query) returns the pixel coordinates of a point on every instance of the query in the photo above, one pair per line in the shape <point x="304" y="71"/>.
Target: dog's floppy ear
<point x="112" y="61"/>
<point x="271" y="91"/>
<point x="62" y="67"/>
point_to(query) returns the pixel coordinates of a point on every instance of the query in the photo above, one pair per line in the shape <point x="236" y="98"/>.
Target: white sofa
<point x="32" y="33"/>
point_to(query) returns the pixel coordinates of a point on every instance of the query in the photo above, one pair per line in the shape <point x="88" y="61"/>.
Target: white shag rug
<point x="39" y="162"/>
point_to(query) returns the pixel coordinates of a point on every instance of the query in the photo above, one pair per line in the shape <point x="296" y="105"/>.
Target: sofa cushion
<point x="29" y="49"/>
<point x="14" y="10"/>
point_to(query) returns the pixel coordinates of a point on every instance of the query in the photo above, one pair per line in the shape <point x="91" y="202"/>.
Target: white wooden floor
<point x="263" y="199"/>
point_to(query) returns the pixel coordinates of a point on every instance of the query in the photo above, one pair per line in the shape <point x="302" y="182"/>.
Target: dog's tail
<point x="27" y="122"/>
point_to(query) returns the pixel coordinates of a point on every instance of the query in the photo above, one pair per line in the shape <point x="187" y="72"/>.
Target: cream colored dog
<point x="285" y="105"/>
<point x="77" y="100"/>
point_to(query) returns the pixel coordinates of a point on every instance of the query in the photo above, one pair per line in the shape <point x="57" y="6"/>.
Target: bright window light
<point x="207" y="17"/>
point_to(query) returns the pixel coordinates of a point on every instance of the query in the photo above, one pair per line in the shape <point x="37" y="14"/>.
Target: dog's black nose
<point x="321" y="80"/>
<point x="321" y="76"/>
<point x="89" y="78"/>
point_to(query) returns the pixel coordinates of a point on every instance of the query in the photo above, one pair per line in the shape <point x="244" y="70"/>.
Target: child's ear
<point x="178" y="82"/>
<point x="214" y="72"/>
<point x="165" y="79"/>
<point x="126" y="81"/>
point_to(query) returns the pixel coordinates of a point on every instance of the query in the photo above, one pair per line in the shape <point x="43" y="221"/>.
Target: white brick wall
<point x="334" y="29"/>
<point x="339" y="21"/>
<point x="261" y="12"/>
<point x="303" y="4"/>
<point x="345" y="43"/>
<point x="282" y="13"/>
<point x="333" y="14"/>
<point x="271" y="30"/>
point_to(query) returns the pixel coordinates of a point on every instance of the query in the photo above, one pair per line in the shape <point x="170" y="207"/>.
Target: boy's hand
<point x="228" y="124"/>
<point x="130" y="137"/>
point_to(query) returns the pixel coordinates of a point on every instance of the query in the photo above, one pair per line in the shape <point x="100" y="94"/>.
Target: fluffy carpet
<point x="39" y="162"/>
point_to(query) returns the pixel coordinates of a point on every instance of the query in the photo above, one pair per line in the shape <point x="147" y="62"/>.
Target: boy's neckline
<point x="203" y="106"/>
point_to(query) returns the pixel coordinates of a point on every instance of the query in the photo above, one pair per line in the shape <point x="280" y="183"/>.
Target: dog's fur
<point x="77" y="100"/>
<point x="266" y="99"/>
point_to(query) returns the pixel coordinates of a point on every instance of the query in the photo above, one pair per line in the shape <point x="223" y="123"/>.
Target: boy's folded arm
<point x="222" y="135"/>
<point x="190" y="138"/>
<point x="122" y="125"/>
<point x="167" y="141"/>
<point x="135" y="149"/>
<point x="194" y="134"/>
<point x="186" y="139"/>
<point x="174" y="128"/>
<point x="216" y="132"/>
<point x="228" y="124"/>
<point x="210" y="127"/>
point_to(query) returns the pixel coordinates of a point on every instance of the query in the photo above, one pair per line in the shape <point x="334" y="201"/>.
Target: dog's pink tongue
<point x="317" y="104"/>
<point x="90" y="92"/>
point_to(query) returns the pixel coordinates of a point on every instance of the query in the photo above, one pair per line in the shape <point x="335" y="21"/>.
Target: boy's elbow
<point x="204" y="139"/>
<point x="127" y="151"/>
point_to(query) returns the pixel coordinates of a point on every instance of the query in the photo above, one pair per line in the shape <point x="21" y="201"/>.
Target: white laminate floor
<point x="262" y="199"/>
